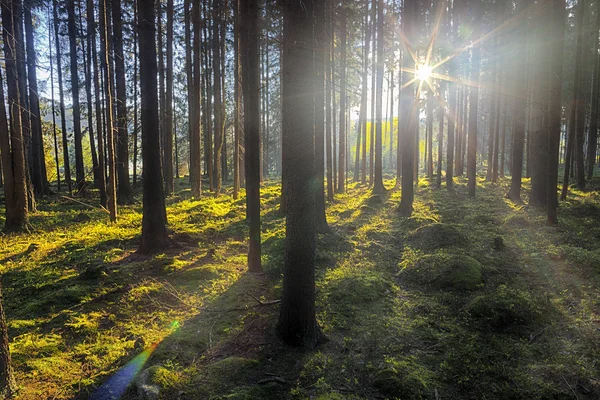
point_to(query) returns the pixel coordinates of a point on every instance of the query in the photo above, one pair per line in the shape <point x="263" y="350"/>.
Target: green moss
<point x="506" y="309"/>
<point x="443" y="270"/>
<point x="437" y="236"/>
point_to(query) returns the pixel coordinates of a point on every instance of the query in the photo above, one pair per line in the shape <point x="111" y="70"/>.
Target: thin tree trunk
<point x="108" y="85"/>
<point x="328" y="116"/>
<point x="53" y="103"/>
<point x="219" y="120"/>
<point x="194" y="99"/>
<point x="319" y="113"/>
<point x="378" y="187"/>
<point x="169" y="134"/>
<point x="65" y="143"/>
<point x="79" y="171"/>
<point x="473" y="104"/>
<point x="238" y="100"/>
<point x="341" y="188"/>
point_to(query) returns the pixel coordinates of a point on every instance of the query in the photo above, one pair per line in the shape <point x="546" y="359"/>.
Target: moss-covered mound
<point x="437" y="236"/>
<point x="507" y="309"/>
<point x="443" y="271"/>
<point x="353" y="286"/>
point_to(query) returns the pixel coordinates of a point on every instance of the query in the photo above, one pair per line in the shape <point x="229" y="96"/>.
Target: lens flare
<point x="114" y="388"/>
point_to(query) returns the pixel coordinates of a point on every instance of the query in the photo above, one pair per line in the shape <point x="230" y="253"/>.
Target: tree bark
<point x="249" y="39"/>
<point x="319" y="112"/>
<point x="378" y="187"/>
<point x="473" y="103"/>
<point x="169" y="134"/>
<point x="555" y="106"/>
<point x="341" y="188"/>
<point x="108" y="85"/>
<point x="297" y="323"/>
<point x="79" y="169"/>
<point x="154" y="232"/>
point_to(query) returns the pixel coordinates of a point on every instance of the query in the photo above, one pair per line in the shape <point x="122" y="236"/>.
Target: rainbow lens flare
<point x="114" y="388"/>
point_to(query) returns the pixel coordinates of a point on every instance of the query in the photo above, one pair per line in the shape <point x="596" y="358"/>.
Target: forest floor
<point x="469" y="298"/>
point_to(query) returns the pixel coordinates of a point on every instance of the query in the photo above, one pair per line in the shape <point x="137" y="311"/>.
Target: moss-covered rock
<point x="437" y="236"/>
<point x="355" y="286"/>
<point x="443" y="271"/>
<point x="506" y="309"/>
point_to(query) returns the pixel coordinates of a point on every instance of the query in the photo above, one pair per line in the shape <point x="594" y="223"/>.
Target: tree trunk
<point x="378" y="187"/>
<point x="135" y="97"/>
<point x="555" y="105"/>
<point x="8" y="386"/>
<point x="169" y="134"/>
<point x="194" y="99"/>
<point x="154" y="232"/>
<point x="219" y="114"/>
<point x="593" y="135"/>
<point x="65" y="142"/>
<point x="410" y="121"/>
<point x="473" y="103"/>
<point x="440" y="136"/>
<point x="319" y="112"/>
<point x="56" y="160"/>
<point x="580" y="106"/>
<point x="238" y="100"/>
<point x="328" y="115"/>
<point x="341" y="188"/>
<point x="249" y="41"/>
<point x="79" y="171"/>
<point x="429" y="137"/>
<point x="16" y="195"/>
<point x="297" y="323"/>
<point x="519" y="110"/>
<point x="94" y="62"/>
<point x="108" y="85"/>
<point x="38" y="167"/>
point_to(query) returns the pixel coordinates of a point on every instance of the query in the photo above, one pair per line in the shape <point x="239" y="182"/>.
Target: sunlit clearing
<point x="118" y="383"/>
<point x="423" y="72"/>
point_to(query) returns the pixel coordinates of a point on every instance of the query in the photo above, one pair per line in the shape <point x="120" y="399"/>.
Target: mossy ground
<point x="81" y="304"/>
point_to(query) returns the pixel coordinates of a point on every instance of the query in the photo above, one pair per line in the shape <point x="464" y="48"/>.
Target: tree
<point x="555" y="107"/>
<point x="219" y="116"/>
<point x="580" y="106"/>
<point x="13" y="149"/>
<point x="8" y="386"/>
<point x="519" y="109"/>
<point x="63" y="119"/>
<point x="108" y="85"/>
<point x="169" y="133"/>
<point x="194" y="99"/>
<point x="593" y="134"/>
<point x="319" y="112"/>
<point x="154" y="232"/>
<point x="297" y="323"/>
<point x="38" y="167"/>
<point x="79" y="171"/>
<point x="341" y="188"/>
<point x="378" y="187"/>
<point x="409" y="111"/>
<point x="238" y="100"/>
<point x="251" y="83"/>
<point x="473" y="102"/>
<point x="124" y="191"/>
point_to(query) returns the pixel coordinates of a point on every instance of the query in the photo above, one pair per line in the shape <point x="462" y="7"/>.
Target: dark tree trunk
<point x="124" y="191"/>
<point x="410" y="122"/>
<point x="154" y="232"/>
<point x="135" y="97"/>
<point x="429" y="136"/>
<point x="319" y="107"/>
<point x="56" y="160"/>
<point x="218" y="104"/>
<point x="194" y="99"/>
<point x="440" y="136"/>
<point x="38" y="167"/>
<point x="8" y="386"/>
<point x="378" y="187"/>
<point x="169" y="134"/>
<point x="87" y="57"/>
<point x="79" y="171"/>
<point x="249" y="39"/>
<point x="593" y="135"/>
<point x="555" y="105"/>
<point x="473" y="103"/>
<point x="341" y="188"/>
<point x="13" y="149"/>
<point x="373" y="93"/>
<point x="452" y="118"/>
<point x="108" y="85"/>
<point x="238" y="100"/>
<point x="94" y="61"/>
<point x="328" y="115"/>
<point x="580" y="105"/>
<point x="519" y="111"/>
<point x="297" y="323"/>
